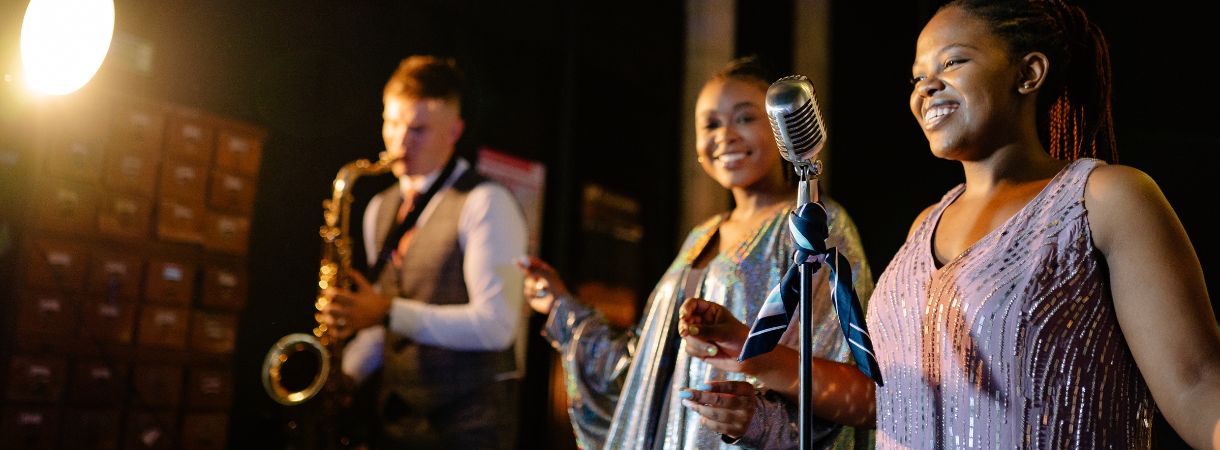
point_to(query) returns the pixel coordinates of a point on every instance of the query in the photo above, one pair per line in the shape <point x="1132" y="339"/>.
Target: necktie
<point x="393" y="240"/>
<point x="409" y="198"/>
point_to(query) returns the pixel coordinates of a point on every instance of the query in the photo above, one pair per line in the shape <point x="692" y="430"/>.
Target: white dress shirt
<point x="492" y="234"/>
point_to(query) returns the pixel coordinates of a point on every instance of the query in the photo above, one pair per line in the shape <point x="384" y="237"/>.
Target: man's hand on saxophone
<point x="349" y="311"/>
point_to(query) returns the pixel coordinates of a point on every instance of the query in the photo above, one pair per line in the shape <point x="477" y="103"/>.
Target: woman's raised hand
<point x="542" y="284"/>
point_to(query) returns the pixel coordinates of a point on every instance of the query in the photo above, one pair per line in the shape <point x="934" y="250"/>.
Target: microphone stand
<point x="807" y="192"/>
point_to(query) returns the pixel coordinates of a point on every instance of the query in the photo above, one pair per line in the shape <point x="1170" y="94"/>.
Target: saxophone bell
<point x="296" y="369"/>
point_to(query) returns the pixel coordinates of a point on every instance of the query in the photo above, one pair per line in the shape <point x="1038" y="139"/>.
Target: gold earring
<point x="1025" y="85"/>
<point x="699" y="159"/>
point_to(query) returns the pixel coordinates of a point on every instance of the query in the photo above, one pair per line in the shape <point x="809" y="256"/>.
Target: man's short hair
<point x="426" y="77"/>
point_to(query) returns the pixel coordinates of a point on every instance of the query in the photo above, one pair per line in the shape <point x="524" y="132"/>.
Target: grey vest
<point x="421" y="375"/>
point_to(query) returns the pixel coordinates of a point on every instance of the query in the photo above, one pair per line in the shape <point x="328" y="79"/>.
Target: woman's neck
<point x="752" y="202"/>
<point x="753" y="206"/>
<point x="1012" y="165"/>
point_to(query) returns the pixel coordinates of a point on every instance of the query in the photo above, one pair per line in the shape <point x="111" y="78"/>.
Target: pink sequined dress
<point x="1013" y="344"/>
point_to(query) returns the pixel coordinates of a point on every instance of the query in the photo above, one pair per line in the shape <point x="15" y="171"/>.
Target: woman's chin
<point x="732" y="180"/>
<point x="943" y="150"/>
<point x="748" y="183"/>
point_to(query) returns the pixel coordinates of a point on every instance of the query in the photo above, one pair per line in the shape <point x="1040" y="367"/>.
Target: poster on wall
<point x="525" y="179"/>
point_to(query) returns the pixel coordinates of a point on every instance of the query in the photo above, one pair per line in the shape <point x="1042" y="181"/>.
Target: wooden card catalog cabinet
<point x="76" y="155"/>
<point x="55" y="264"/>
<point x="205" y="431"/>
<point x="134" y="173"/>
<point x="116" y="275"/>
<point x="209" y="388"/>
<point x="97" y="383"/>
<point x="148" y="430"/>
<point x="213" y="332"/>
<point x="170" y="281"/>
<point x="31" y="427"/>
<point x="131" y="275"/>
<point x="37" y="378"/>
<point x="139" y="127"/>
<point x="184" y="180"/>
<point x="47" y="314"/>
<point x="224" y="286"/>
<point x="179" y="221"/>
<point x="225" y="233"/>
<point x="157" y="385"/>
<point x="125" y="216"/>
<point x="94" y="429"/>
<point x="73" y="144"/>
<point x="231" y="193"/>
<point x="190" y="135"/>
<point x="239" y="150"/>
<point x="107" y="320"/>
<point x="66" y="207"/>
<point x="162" y="326"/>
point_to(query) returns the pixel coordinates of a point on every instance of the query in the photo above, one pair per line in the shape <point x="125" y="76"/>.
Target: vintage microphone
<point x="800" y="132"/>
<point x="797" y="123"/>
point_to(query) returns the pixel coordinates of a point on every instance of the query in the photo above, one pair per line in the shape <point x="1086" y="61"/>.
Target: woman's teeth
<point x="729" y="158"/>
<point x="935" y="114"/>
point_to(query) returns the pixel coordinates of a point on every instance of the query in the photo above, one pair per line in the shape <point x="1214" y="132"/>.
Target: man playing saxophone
<point x="442" y="307"/>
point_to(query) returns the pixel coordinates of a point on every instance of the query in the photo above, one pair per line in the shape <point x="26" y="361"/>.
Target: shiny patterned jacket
<point x="622" y="385"/>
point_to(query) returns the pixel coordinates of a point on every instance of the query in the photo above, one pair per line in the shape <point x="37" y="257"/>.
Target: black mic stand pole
<point x="807" y="192"/>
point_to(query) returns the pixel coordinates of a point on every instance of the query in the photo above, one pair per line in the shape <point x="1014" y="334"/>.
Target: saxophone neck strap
<point x="400" y="229"/>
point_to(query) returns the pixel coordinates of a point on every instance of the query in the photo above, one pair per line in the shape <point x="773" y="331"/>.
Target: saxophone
<point x="301" y="366"/>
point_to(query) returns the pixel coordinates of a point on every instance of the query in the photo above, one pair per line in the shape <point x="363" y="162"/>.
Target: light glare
<point x="63" y="43"/>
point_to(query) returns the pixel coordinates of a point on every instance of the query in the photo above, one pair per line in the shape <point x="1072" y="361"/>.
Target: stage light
<point x="63" y="43"/>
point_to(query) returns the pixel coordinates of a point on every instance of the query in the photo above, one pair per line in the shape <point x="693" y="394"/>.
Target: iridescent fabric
<point x="617" y="382"/>
<point x="1013" y="344"/>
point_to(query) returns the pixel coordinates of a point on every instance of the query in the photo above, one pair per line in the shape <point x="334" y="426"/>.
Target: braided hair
<point x="1074" y="118"/>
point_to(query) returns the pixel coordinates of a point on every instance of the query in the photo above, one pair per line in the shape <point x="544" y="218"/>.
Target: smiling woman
<point x="63" y="43"/>
<point x="656" y="380"/>
<point x="1053" y="300"/>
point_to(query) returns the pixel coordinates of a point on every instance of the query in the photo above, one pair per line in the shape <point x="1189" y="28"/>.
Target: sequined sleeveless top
<point x="1013" y="344"/>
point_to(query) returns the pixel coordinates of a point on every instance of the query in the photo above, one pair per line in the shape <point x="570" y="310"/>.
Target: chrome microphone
<point x="799" y="130"/>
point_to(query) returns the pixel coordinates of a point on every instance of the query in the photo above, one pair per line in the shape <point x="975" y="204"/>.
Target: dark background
<point x="593" y="90"/>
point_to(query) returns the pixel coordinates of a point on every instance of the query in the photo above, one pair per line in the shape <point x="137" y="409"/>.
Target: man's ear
<point x="458" y="127"/>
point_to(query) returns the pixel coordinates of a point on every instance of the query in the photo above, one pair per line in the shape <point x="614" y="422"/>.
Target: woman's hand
<point x="542" y="284"/>
<point x="725" y="407"/>
<point x="712" y="334"/>
<point x="842" y="394"/>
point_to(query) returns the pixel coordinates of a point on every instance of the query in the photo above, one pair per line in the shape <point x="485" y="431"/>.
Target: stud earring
<point x="1025" y="85"/>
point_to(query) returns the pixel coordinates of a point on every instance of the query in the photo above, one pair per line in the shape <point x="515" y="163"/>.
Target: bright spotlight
<point x="63" y="43"/>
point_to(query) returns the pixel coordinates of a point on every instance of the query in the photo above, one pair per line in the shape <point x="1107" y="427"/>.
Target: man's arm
<point x="362" y="354"/>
